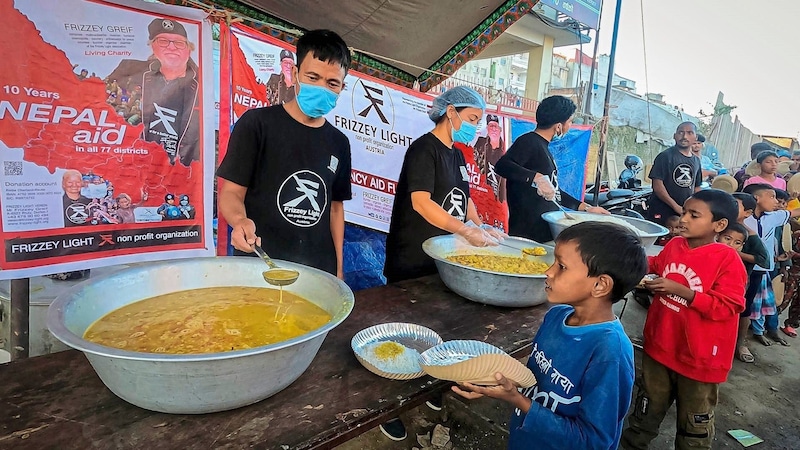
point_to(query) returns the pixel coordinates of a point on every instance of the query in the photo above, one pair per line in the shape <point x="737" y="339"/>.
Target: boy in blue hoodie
<point x="582" y="359"/>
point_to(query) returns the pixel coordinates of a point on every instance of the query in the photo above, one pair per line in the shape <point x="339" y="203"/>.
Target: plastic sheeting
<point x="570" y="154"/>
<point x="631" y="110"/>
<point x="364" y="254"/>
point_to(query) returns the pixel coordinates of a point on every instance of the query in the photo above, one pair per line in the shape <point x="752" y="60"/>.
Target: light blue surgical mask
<point x="316" y="101"/>
<point x="465" y="134"/>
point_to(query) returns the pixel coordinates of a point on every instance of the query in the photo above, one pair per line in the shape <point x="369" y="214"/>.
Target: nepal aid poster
<point x="106" y="137"/>
<point x="486" y="188"/>
<point x="379" y="119"/>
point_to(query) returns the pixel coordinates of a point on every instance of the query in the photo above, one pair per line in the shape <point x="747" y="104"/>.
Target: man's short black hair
<point x="780" y="194"/>
<point x="609" y="249"/>
<point x="553" y="110"/>
<point x="721" y="204"/>
<point x="747" y="199"/>
<point x="756" y="188"/>
<point x="694" y="126"/>
<point x="737" y="228"/>
<point x="326" y="46"/>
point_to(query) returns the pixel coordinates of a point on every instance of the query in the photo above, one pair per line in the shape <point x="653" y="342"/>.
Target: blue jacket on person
<point x="584" y="380"/>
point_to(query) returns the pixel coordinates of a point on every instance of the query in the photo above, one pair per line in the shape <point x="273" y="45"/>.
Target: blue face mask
<point x="316" y="101"/>
<point x="465" y="134"/>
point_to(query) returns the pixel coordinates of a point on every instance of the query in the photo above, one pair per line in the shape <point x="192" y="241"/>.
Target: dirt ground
<point x="757" y="397"/>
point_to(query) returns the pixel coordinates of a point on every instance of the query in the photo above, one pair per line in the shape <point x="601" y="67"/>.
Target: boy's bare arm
<point x="747" y="257"/>
<point x="505" y="390"/>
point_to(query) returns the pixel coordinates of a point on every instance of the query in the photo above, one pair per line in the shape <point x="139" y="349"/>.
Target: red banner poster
<point x="104" y="148"/>
<point x="486" y="188"/>
<point x="244" y="91"/>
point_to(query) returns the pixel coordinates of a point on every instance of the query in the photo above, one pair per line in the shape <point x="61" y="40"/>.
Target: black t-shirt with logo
<point x="530" y="155"/>
<point x="292" y="173"/>
<point x="76" y="212"/>
<point x="680" y="174"/>
<point x="429" y="166"/>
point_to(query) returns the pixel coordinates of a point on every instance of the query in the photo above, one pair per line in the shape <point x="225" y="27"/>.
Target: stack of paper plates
<point x="473" y="362"/>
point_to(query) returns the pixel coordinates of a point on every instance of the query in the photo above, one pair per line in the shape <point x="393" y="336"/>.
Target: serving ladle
<point x="563" y="210"/>
<point x="276" y="275"/>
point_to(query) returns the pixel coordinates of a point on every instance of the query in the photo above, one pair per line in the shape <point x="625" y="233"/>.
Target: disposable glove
<point x="544" y="187"/>
<point x="475" y="235"/>
<point x="496" y="233"/>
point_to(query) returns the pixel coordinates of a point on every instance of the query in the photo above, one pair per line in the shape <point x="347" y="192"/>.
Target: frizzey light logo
<point x="373" y="99"/>
<point x="455" y="203"/>
<point x="302" y="198"/>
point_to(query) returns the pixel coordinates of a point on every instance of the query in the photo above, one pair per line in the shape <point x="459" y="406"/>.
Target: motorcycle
<point x="629" y="198"/>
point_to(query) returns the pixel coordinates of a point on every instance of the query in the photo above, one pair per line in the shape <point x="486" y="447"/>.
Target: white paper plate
<point x="415" y="337"/>
<point x="473" y="362"/>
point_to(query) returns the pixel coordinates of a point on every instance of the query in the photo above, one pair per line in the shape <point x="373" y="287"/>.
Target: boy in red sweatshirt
<point x="691" y="327"/>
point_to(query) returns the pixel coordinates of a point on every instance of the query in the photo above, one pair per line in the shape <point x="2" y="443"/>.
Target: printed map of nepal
<point x="40" y="71"/>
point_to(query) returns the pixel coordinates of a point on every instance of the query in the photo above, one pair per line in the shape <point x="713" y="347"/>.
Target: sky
<point x="696" y="48"/>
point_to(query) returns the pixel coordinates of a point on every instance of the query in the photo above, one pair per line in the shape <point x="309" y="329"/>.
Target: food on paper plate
<point x="391" y="357"/>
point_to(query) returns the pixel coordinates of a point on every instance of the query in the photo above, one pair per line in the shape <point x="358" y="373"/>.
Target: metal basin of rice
<point x="196" y="383"/>
<point x="483" y="286"/>
<point x="648" y="232"/>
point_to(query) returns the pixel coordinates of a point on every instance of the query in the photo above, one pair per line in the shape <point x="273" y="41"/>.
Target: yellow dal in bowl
<point x="208" y="320"/>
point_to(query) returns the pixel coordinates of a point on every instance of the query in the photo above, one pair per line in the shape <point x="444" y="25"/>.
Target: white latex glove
<point x="544" y="187"/>
<point x="475" y="235"/>
<point x="496" y="233"/>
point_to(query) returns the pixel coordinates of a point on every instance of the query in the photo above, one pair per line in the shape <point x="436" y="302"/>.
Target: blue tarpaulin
<point x="569" y="152"/>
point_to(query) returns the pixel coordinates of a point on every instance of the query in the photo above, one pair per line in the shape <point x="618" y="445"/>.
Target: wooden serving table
<point x="57" y="401"/>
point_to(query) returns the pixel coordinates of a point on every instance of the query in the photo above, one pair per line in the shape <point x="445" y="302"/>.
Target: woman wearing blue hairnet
<point x="432" y="196"/>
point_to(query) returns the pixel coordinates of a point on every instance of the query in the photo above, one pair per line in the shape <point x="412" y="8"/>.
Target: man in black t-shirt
<point x="169" y="91"/>
<point x="287" y="170"/>
<point x="532" y="175"/>
<point x="280" y="86"/>
<point x="76" y="206"/>
<point x="676" y="175"/>
<point x="488" y="150"/>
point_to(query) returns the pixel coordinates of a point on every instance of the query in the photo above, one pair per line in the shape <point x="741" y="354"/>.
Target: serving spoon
<point x="563" y="210"/>
<point x="276" y="275"/>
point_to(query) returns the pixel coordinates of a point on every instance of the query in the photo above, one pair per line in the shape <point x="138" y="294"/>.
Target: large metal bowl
<point x="649" y="232"/>
<point x="199" y="383"/>
<point x="484" y="286"/>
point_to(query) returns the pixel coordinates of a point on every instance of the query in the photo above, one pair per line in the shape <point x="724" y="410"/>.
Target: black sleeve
<point x="569" y="201"/>
<point x="660" y="170"/>
<point x="238" y="165"/>
<point x="698" y="175"/>
<point x="522" y="161"/>
<point x="342" y="189"/>
<point x="420" y="167"/>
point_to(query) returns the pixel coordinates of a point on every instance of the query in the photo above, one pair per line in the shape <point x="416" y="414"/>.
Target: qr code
<point x="11" y="168"/>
